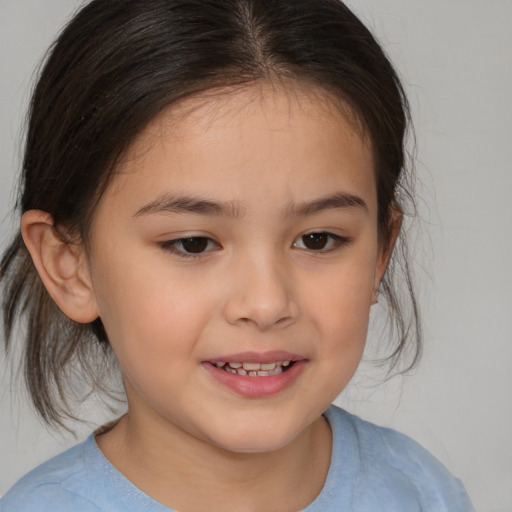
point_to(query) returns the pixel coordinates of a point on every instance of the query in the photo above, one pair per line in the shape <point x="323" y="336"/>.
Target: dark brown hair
<point x="115" y="66"/>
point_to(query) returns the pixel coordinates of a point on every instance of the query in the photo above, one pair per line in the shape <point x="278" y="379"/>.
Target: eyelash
<point x="177" y="246"/>
<point x="336" y="241"/>
<point x="173" y="246"/>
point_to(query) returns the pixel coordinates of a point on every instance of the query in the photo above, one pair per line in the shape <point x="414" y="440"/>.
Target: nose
<point x="261" y="295"/>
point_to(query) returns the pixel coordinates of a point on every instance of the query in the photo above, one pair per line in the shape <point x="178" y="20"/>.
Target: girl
<point x="212" y="191"/>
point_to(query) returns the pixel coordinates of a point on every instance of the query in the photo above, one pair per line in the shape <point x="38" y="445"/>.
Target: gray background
<point x="455" y="57"/>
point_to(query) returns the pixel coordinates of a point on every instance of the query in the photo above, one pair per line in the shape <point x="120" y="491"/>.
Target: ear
<point x="61" y="265"/>
<point x="386" y="251"/>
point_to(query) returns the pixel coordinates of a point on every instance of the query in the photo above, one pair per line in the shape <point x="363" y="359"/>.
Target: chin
<point x="256" y="437"/>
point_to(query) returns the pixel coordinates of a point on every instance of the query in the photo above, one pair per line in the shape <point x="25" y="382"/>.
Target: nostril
<point x="267" y="323"/>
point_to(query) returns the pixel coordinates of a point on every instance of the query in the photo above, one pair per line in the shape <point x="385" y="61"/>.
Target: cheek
<point x="149" y="315"/>
<point x="342" y="325"/>
<point x="339" y="303"/>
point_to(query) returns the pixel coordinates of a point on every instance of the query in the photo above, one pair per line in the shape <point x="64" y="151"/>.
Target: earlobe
<point x="60" y="265"/>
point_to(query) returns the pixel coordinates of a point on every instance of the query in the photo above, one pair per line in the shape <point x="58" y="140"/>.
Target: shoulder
<point x="55" y="486"/>
<point x="389" y="460"/>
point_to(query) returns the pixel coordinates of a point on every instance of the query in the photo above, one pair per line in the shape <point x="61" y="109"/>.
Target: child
<point x="212" y="191"/>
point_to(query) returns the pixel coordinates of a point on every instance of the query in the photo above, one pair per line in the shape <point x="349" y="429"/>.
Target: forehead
<point x="282" y="101"/>
<point x="284" y="136"/>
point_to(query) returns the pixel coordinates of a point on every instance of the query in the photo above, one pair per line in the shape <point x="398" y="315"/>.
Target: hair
<point x="119" y="63"/>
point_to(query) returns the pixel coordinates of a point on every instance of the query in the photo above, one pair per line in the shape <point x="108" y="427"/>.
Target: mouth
<point x="253" y="369"/>
<point x="257" y="374"/>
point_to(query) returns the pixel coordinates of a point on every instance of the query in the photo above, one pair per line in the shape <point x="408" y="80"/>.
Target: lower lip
<point x="256" y="387"/>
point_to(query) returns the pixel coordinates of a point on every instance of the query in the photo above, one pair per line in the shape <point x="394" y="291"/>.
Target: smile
<point x="257" y="374"/>
<point x="251" y="369"/>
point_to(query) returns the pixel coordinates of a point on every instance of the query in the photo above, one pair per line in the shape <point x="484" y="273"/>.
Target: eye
<point x="191" y="246"/>
<point x="320" y="241"/>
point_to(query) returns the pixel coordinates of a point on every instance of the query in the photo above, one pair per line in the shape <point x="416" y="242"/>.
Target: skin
<point x="265" y="153"/>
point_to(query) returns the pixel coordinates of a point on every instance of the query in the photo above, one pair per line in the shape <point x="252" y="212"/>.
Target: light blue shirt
<point x="373" y="469"/>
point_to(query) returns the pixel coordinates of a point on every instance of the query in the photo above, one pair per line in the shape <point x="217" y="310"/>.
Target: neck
<point x="191" y="475"/>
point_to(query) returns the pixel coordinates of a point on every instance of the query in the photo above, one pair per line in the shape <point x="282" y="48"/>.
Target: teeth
<point x="252" y="366"/>
<point x="254" y="369"/>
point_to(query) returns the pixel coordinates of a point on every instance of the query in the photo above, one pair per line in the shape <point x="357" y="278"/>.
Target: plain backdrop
<point x="455" y="58"/>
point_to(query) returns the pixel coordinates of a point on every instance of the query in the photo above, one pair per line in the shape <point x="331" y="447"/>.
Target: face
<point x="233" y="261"/>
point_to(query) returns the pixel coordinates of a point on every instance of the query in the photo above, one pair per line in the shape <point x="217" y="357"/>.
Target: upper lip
<point x="258" y="357"/>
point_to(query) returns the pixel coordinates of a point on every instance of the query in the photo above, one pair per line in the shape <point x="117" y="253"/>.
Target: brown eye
<point x="321" y="242"/>
<point x="315" y="241"/>
<point x="190" y="247"/>
<point x="194" y="245"/>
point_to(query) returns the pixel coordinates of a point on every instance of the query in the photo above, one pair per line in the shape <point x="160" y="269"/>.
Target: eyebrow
<point x="200" y="206"/>
<point x="185" y="204"/>
<point x="339" y="200"/>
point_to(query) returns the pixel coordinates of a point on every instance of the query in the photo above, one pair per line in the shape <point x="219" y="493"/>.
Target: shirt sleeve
<point x="44" y="498"/>
<point x="437" y="489"/>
